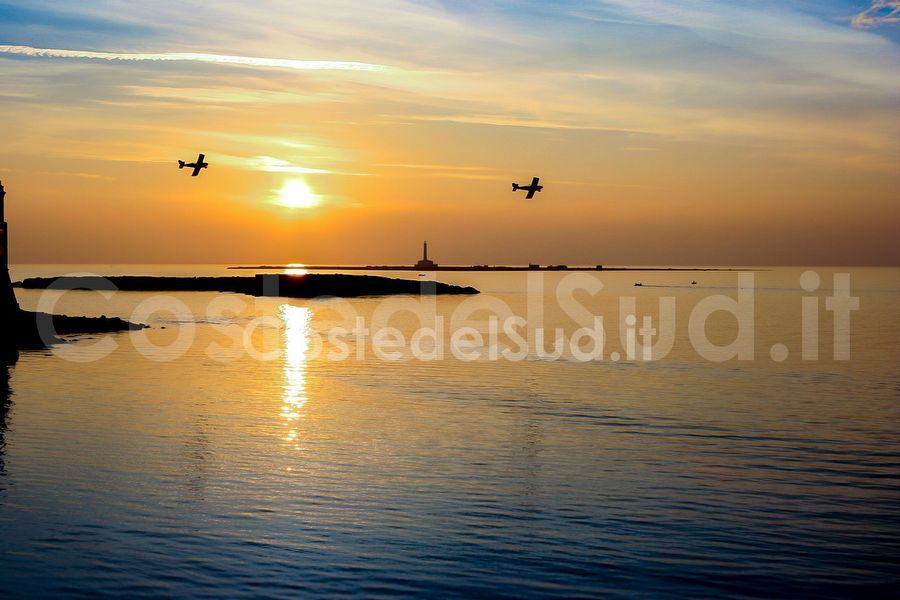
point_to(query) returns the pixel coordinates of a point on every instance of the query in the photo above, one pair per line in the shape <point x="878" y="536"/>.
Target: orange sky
<point x="671" y="133"/>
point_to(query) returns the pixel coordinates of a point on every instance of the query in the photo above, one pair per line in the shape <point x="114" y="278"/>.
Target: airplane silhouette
<point x="194" y="165"/>
<point x="534" y="187"/>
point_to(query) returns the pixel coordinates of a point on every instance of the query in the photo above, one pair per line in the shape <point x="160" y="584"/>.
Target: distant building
<point x="425" y="264"/>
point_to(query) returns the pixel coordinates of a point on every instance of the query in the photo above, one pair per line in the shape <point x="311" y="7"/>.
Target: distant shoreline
<point x="477" y="268"/>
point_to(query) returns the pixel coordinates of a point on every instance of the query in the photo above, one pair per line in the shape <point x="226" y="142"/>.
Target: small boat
<point x="693" y="283"/>
<point x="638" y="284"/>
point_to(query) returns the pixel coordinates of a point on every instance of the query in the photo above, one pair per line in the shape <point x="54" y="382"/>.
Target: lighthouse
<point x="425" y="264"/>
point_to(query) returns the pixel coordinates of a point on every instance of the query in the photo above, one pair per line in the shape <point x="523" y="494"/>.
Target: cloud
<point x="445" y="171"/>
<point x="270" y="164"/>
<point x="499" y="120"/>
<point x="690" y="70"/>
<point x="249" y="61"/>
<point x="882" y="12"/>
<point x="81" y="175"/>
<point x="431" y="167"/>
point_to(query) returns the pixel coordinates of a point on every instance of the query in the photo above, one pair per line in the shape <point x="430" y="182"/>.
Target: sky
<point x="683" y="132"/>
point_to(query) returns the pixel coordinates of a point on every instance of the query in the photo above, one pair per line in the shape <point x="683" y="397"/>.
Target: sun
<point x="296" y="193"/>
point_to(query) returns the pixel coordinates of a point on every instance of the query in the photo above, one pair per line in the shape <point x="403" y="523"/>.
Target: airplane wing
<point x="197" y="168"/>
<point x="531" y="191"/>
<point x="534" y="182"/>
<point x="201" y="158"/>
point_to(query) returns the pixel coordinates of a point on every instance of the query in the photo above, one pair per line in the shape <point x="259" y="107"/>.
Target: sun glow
<point x="296" y="193"/>
<point x="296" y="269"/>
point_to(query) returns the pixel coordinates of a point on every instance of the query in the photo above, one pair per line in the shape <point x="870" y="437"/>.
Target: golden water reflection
<point x="296" y="269"/>
<point x="296" y="347"/>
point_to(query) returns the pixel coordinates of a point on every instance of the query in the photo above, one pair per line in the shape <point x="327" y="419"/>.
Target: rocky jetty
<point x="286" y="286"/>
<point x="28" y="327"/>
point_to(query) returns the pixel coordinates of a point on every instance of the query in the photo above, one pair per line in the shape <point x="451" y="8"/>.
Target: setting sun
<point x="296" y="193"/>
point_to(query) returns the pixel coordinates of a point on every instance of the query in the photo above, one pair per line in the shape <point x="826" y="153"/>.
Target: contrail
<point x="250" y="61"/>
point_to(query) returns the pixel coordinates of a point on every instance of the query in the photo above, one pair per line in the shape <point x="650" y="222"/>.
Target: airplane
<point x="194" y="165"/>
<point x="534" y="187"/>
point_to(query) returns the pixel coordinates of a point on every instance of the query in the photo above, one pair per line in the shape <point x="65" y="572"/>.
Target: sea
<point x="440" y="447"/>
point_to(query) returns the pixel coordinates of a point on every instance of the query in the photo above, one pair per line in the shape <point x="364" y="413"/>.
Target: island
<point x="286" y="286"/>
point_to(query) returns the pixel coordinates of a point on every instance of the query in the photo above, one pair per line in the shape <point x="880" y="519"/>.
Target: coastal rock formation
<point x="38" y="330"/>
<point x="286" y="286"/>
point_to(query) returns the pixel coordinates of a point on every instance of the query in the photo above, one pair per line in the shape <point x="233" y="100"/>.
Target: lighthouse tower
<point x="8" y="304"/>
<point x="425" y="264"/>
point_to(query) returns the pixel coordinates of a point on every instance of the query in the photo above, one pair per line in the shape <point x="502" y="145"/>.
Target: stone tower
<point x="425" y="264"/>
<point x="8" y="304"/>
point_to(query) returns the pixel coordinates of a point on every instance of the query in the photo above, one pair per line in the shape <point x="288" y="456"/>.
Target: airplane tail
<point x="515" y="187"/>
<point x="180" y="164"/>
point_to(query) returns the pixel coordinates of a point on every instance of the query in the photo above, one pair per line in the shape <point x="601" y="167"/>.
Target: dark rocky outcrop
<point x="30" y="331"/>
<point x="29" y="325"/>
<point x="287" y="286"/>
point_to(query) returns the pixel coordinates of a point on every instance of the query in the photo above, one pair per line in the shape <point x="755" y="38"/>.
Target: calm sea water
<point x="204" y="471"/>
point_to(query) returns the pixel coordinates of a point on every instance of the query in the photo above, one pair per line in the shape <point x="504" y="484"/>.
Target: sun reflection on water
<point x="296" y="346"/>
<point x="296" y="269"/>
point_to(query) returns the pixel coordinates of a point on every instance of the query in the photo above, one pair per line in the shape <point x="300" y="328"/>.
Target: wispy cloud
<point x="431" y="167"/>
<point x="498" y="120"/>
<point x="81" y="175"/>
<point x="600" y="72"/>
<point x="882" y="12"/>
<point x="270" y="164"/>
<point x="223" y="59"/>
<point x="445" y="171"/>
